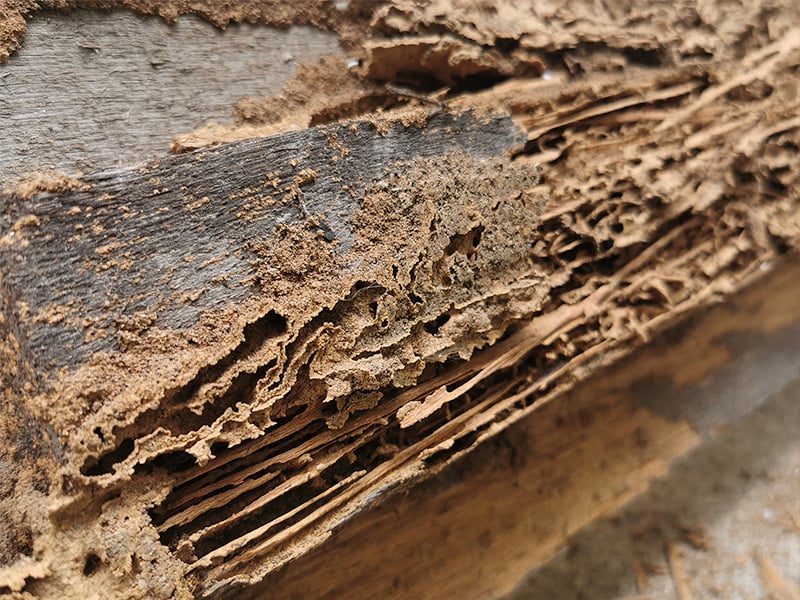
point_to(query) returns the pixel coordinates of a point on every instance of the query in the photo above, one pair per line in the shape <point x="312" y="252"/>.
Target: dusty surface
<point x="210" y="374"/>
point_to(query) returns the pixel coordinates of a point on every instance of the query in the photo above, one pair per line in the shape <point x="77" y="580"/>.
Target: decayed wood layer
<point x="452" y="293"/>
<point x="95" y="62"/>
<point x="483" y="523"/>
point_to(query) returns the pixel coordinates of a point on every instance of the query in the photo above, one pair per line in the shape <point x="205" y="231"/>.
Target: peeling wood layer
<point x="227" y="354"/>
<point x="576" y="460"/>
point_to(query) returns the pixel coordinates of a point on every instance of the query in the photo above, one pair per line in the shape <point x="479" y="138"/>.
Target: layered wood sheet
<point x="225" y="354"/>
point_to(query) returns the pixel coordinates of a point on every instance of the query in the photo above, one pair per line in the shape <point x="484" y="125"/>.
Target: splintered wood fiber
<point x="212" y="360"/>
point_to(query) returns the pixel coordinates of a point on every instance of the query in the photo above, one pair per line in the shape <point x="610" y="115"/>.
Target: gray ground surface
<point x="732" y="507"/>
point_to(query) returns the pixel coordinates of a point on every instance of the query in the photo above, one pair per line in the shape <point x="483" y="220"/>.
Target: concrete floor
<point x="725" y="523"/>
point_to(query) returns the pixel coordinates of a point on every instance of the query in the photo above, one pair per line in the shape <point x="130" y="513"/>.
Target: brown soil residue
<point x="12" y="24"/>
<point x="43" y="181"/>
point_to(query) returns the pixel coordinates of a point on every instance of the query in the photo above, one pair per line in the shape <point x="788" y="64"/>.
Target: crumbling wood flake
<point x="229" y="361"/>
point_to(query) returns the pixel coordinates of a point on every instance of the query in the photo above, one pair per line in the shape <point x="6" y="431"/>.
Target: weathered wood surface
<point x="202" y="434"/>
<point x="150" y="236"/>
<point x="89" y="90"/>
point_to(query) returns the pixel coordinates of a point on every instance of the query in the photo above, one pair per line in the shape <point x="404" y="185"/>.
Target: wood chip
<point x="774" y="583"/>
<point x="678" y="572"/>
<point x="642" y="581"/>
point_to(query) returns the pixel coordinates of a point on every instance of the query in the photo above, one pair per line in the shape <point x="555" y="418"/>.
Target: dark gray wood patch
<point x="121" y="247"/>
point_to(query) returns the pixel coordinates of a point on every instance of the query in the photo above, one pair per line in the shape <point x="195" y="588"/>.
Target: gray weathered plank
<point x="90" y="89"/>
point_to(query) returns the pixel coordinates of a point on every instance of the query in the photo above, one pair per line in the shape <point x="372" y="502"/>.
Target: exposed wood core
<point x="514" y="503"/>
<point x="213" y="360"/>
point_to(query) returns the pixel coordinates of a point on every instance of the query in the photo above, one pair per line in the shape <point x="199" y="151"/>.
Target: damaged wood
<point x="227" y="354"/>
<point x="514" y="503"/>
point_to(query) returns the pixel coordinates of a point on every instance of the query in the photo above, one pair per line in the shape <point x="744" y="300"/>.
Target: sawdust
<point x="320" y="93"/>
<point x="29" y="458"/>
<point x="43" y="181"/>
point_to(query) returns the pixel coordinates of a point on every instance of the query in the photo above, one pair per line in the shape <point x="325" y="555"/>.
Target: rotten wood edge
<point x="475" y="529"/>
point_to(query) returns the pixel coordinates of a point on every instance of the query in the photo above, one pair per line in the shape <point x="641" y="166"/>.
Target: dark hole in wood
<point x="105" y="464"/>
<point x="91" y="565"/>
<point x="414" y="298"/>
<point x="218" y="448"/>
<point x="432" y="327"/>
<point x="176" y="461"/>
<point x="99" y="433"/>
<point x="506" y="45"/>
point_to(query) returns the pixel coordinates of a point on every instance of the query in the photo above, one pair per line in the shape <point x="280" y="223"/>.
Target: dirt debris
<point x="43" y="181"/>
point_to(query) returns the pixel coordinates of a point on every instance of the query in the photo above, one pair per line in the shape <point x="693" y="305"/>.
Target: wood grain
<point x="477" y="528"/>
<point x="230" y="407"/>
<point x="91" y="89"/>
<point x="151" y="235"/>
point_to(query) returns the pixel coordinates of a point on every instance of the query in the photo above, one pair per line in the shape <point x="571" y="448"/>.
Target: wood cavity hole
<point x="172" y="462"/>
<point x="465" y="243"/>
<point x="433" y="327"/>
<point x="91" y="565"/>
<point x="104" y="465"/>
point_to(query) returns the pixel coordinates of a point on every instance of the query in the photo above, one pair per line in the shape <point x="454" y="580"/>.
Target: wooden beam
<point x="214" y="361"/>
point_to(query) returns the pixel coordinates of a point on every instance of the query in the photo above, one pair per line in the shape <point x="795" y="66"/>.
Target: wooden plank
<point x="92" y="89"/>
<point x="259" y="341"/>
